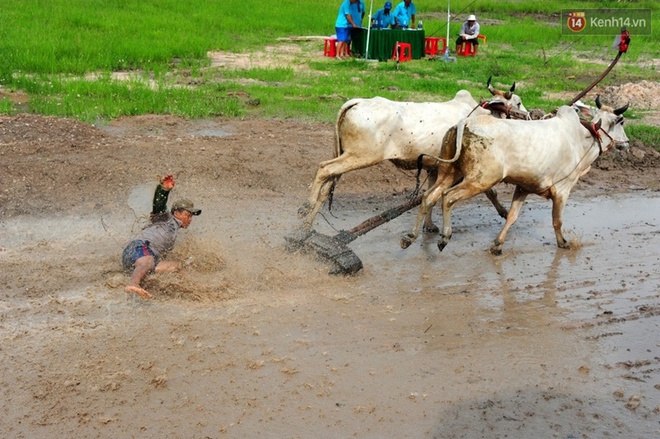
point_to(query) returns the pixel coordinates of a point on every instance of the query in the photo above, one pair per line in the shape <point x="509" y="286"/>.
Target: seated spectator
<point x="383" y="18"/>
<point x="404" y="14"/>
<point x="469" y="32"/>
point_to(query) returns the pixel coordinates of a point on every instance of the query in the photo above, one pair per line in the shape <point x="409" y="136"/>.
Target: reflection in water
<point x="472" y="298"/>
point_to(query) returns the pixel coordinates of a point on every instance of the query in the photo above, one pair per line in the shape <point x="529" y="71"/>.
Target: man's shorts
<point x="343" y="34"/>
<point x="134" y="251"/>
<point x="474" y="41"/>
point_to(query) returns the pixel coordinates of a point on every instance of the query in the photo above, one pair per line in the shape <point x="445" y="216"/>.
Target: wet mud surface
<point x="253" y="341"/>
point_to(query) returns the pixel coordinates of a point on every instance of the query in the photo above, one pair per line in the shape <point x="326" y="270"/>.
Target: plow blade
<point x="334" y="249"/>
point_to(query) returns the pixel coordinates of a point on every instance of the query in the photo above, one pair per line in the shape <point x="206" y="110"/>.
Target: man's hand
<point x="167" y="182"/>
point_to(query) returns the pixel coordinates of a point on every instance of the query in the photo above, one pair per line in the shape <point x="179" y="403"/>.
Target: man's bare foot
<point x="139" y="291"/>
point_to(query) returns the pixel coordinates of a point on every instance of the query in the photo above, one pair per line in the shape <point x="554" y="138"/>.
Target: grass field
<point x="50" y="47"/>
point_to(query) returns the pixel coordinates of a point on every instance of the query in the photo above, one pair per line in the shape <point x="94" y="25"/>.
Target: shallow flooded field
<point x="419" y="344"/>
<point x="253" y="341"/>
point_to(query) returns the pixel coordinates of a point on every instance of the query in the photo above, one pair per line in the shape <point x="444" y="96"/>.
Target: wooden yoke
<point x="502" y="109"/>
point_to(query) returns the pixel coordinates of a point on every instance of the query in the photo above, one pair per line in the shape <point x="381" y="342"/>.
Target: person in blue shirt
<point x="357" y="12"/>
<point x="404" y="14"/>
<point x="383" y="18"/>
<point x="343" y="26"/>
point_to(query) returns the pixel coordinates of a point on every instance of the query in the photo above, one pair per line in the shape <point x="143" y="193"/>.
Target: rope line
<point x="452" y="19"/>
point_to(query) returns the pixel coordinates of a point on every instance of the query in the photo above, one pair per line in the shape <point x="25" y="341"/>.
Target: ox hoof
<point x="497" y="251"/>
<point x="444" y="240"/>
<point x="431" y="229"/>
<point x="565" y="245"/>
<point x="406" y="240"/>
<point x="496" y="248"/>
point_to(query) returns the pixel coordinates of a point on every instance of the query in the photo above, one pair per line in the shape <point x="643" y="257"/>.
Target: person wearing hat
<point x="469" y="32"/>
<point x="404" y="14"/>
<point x="383" y="19"/>
<point x="143" y="254"/>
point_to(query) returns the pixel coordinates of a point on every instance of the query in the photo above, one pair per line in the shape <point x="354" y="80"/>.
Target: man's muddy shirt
<point x="162" y="231"/>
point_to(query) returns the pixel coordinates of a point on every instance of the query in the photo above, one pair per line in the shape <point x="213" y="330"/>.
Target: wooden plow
<point x="335" y="249"/>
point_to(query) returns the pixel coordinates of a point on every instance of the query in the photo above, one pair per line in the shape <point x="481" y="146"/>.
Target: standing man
<point x="143" y="253"/>
<point x="469" y="32"/>
<point x="343" y="26"/>
<point x="404" y="14"/>
<point x="357" y="12"/>
<point x="383" y="18"/>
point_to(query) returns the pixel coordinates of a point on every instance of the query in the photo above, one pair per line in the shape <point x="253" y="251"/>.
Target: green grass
<point x="644" y="133"/>
<point x="7" y="107"/>
<point x="49" y="46"/>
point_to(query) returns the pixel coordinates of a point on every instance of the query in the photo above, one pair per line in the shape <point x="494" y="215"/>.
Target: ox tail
<point x="420" y="166"/>
<point x="452" y="140"/>
<point x="338" y="147"/>
<point x="458" y="143"/>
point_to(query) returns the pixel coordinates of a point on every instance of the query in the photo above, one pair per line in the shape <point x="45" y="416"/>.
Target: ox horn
<point x="620" y="111"/>
<point x="513" y="87"/>
<point x="598" y="104"/>
<point x="508" y="95"/>
<point x="490" y="87"/>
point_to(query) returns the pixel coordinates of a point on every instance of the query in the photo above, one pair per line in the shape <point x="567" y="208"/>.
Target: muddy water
<point x="538" y="342"/>
<point x="584" y="322"/>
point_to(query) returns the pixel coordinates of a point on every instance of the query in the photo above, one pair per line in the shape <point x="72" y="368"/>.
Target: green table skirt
<point x="381" y="42"/>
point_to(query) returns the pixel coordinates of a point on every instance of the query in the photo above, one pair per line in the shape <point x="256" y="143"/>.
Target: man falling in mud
<point x="143" y="253"/>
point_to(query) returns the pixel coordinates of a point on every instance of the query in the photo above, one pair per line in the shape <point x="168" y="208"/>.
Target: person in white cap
<point x="143" y="254"/>
<point x="469" y="32"/>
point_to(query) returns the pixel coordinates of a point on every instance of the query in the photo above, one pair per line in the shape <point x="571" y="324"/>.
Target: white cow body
<point x="370" y="131"/>
<point x="544" y="157"/>
<point x="400" y="131"/>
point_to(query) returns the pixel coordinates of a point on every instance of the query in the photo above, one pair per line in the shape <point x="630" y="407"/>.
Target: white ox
<point x="544" y="157"/>
<point x="370" y="131"/>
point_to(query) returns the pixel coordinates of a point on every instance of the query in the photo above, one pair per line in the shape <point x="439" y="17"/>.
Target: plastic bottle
<point x="419" y="25"/>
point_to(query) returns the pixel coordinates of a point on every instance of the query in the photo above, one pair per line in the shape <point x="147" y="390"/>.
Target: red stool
<point x="402" y="52"/>
<point x="467" y="49"/>
<point x="330" y="48"/>
<point x="432" y="44"/>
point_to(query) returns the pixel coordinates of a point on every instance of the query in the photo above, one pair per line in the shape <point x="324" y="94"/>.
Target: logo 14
<point x="576" y="21"/>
